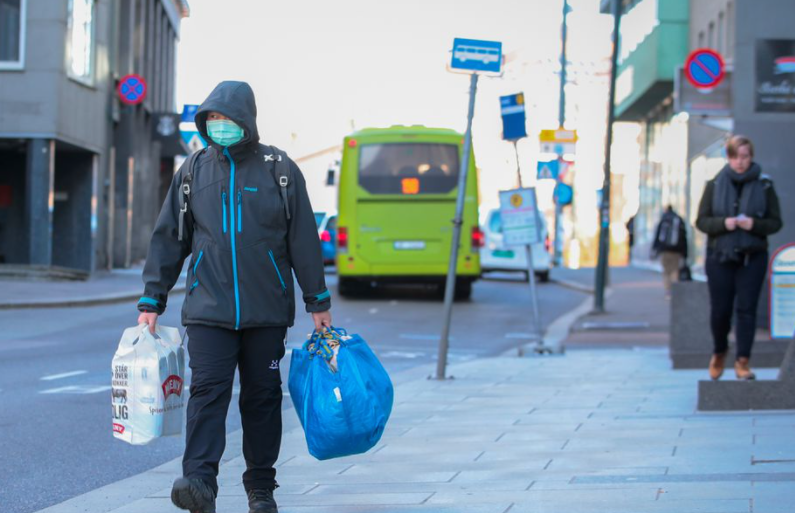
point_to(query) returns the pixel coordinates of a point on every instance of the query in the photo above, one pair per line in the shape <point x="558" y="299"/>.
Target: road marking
<point x="402" y="354"/>
<point x="78" y="389"/>
<point x="64" y="375"/>
<point x="420" y="336"/>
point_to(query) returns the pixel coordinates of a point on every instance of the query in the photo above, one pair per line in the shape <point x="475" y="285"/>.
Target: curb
<point x="573" y="285"/>
<point x="107" y="299"/>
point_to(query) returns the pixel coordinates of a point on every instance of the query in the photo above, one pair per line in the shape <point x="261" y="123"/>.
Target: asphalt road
<point x="55" y="435"/>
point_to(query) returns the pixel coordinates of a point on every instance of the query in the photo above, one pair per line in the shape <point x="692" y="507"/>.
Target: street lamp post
<point x="604" y="208"/>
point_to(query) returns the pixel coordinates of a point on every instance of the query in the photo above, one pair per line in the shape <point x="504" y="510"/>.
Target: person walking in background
<point x="670" y="243"/>
<point x="738" y="210"/>
<point x="248" y="224"/>
<point x="630" y="237"/>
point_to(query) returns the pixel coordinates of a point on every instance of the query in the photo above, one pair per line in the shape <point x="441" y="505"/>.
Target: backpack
<point x="671" y="234"/>
<point x="281" y="173"/>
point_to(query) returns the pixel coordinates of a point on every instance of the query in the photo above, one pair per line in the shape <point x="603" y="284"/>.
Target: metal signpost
<point x="521" y="227"/>
<point x="560" y="142"/>
<point x="472" y="56"/>
<point x="782" y="293"/>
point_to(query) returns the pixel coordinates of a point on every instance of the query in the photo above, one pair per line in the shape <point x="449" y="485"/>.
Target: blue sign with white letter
<point x="513" y="117"/>
<point x="475" y="55"/>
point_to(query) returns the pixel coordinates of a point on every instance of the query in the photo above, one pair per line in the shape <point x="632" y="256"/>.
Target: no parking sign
<point x="704" y="68"/>
<point x="132" y="89"/>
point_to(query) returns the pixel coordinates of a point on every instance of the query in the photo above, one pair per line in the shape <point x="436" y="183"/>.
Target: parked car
<point x="327" y="231"/>
<point x="496" y="256"/>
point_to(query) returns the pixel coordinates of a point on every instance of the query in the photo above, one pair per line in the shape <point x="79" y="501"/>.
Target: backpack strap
<point x="281" y="173"/>
<point x="184" y="194"/>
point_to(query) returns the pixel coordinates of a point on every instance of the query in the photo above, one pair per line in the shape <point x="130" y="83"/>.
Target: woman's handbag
<point x="341" y="393"/>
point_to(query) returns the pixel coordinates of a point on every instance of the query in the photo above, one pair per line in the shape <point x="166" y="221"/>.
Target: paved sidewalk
<point x="102" y="287"/>
<point x="608" y="431"/>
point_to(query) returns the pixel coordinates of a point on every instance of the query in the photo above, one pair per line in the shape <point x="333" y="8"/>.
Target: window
<point x="12" y="34"/>
<point x="408" y="168"/>
<point x="711" y="36"/>
<point x="81" y="39"/>
<point x="721" y="31"/>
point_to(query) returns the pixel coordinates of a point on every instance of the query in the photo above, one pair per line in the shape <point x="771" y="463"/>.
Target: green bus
<point x="397" y="197"/>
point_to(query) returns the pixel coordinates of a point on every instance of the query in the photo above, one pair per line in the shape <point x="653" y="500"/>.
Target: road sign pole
<point x="449" y="289"/>
<point x="604" y="208"/>
<point x="518" y="167"/>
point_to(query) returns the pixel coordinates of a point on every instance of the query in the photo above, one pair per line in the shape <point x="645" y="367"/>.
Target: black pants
<point x="735" y="286"/>
<point x="214" y="355"/>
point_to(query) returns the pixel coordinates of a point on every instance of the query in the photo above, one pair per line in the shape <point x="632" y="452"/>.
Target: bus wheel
<point x="463" y="289"/>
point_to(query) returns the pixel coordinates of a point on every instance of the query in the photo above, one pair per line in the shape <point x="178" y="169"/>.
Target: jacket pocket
<point x="239" y="211"/>
<point x="278" y="273"/>
<point x="195" y="275"/>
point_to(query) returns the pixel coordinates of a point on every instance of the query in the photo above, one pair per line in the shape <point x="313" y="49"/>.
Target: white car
<point x="496" y="256"/>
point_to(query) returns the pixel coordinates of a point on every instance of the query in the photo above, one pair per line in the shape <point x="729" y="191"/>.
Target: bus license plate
<point x="410" y="245"/>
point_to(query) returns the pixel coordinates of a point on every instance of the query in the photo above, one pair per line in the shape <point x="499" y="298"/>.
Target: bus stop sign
<point x="475" y="55"/>
<point x="782" y="293"/>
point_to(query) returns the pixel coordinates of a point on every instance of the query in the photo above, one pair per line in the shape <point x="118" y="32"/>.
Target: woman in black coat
<point x="738" y="210"/>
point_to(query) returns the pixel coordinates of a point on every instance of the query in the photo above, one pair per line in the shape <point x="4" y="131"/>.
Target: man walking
<point x="670" y="242"/>
<point x="242" y="211"/>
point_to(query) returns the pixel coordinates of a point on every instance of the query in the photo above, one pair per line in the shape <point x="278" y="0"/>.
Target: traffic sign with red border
<point x="132" y="89"/>
<point x="705" y="68"/>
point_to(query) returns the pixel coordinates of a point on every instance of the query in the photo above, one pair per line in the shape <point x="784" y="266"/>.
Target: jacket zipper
<point x="278" y="273"/>
<point x="196" y="267"/>
<point x="223" y="202"/>
<point x="232" y="231"/>
<point x="239" y="211"/>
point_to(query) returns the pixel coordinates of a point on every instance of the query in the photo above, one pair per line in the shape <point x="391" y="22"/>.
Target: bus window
<point x="383" y="168"/>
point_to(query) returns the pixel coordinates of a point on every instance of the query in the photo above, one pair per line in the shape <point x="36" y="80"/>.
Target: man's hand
<point x="322" y="319"/>
<point x="730" y="223"/>
<point x="150" y="318"/>
<point x="746" y="223"/>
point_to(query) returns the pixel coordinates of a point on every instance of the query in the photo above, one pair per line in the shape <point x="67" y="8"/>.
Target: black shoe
<point x="194" y="495"/>
<point x="261" y="501"/>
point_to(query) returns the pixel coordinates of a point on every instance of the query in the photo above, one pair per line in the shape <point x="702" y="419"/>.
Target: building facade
<point x="682" y="141"/>
<point x="81" y="173"/>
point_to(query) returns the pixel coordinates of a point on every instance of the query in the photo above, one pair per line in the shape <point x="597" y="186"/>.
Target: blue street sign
<point x="549" y="170"/>
<point x="193" y="140"/>
<point x="563" y="194"/>
<point x="513" y="117"/>
<point x="189" y="113"/>
<point x="704" y="68"/>
<point x="475" y="55"/>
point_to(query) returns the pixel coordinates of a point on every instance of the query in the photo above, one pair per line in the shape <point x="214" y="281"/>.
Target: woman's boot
<point x="742" y="369"/>
<point x="716" y="365"/>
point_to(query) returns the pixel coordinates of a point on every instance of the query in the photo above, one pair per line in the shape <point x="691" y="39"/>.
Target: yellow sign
<point x="558" y="136"/>
<point x="516" y="200"/>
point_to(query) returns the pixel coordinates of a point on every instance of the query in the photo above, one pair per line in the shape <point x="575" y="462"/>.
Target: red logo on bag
<point x="172" y="385"/>
<point x="118" y="428"/>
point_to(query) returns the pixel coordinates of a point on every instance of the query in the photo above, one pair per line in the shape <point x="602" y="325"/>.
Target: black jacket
<point x="714" y="225"/>
<point x="243" y="247"/>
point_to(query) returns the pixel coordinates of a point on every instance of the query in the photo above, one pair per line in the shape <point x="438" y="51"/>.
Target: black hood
<point x="234" y="100"/>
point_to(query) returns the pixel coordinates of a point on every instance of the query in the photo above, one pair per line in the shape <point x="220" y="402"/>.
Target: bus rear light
<point x="342" y="238"/>
<point x="352" y="143"/>
<point x="547" y="244"/>
<point x="325" y="236"/>
<point x="478" y="239"/>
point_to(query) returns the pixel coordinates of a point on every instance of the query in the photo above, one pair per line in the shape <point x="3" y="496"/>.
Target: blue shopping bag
<point x="343" y="412"/>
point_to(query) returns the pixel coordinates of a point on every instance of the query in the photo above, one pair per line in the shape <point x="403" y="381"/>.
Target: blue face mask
<point x="224" y="132"/>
